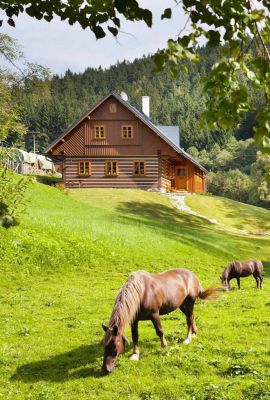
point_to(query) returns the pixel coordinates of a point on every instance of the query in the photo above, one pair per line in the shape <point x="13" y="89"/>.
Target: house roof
<point x="172" y="132"/>
<point x="157" y="129"/>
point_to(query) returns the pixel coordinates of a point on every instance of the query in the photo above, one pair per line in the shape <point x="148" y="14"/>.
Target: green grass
<point x="61" y="270"/>
<point x="231" y="213"/>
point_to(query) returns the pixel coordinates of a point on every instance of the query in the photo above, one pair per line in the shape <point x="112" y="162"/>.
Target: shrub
<point x="233" y="184"/>
<point x="12" y="197"/>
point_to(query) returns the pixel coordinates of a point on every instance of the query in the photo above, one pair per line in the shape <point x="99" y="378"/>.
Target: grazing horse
<point x="146" y="296"/>
<point x="237" y="269"/>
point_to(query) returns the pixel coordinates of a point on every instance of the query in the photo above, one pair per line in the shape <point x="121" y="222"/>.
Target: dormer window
<point x="127" y="132"/>
<point x="99" y="132"/>
<point x="112" y="108"/>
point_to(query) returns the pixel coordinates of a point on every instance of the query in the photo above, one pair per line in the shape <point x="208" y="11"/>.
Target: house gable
<point x="102" y="112"/>
<point x="112" y="113"/>
<point x="80" y="140"/>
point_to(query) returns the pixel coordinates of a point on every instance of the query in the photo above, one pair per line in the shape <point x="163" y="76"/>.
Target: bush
<point x="233" y="184"/>
<point x="12" y="197"/>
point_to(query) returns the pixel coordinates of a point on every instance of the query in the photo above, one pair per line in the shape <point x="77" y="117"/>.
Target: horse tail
<point x="259" y="266"/>
<point x="210" y="292"/>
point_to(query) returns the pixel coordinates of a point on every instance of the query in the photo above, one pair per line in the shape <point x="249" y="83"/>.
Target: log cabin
<point x="114" y="145"/>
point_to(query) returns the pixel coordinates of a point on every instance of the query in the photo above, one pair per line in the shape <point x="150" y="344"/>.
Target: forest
<point x="47" y="104"/>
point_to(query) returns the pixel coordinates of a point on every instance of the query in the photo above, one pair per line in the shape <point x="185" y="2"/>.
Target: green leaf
<point x="116" y="21"/>
<point x="48" y="17"/>
<point x="113" y="30"/>
<point x="251" y="75"/>
<point x="147" y="17"/>
<point x="214" y="38"/>
<point x="99" y="32"/>
<point x="159" y="59"/>
<point x="185" y="40"/>
<point x="167" y="13"/>
<point x="10" y="22"/>
<point x="234" y="48"/>
<point x="266" y="141"/>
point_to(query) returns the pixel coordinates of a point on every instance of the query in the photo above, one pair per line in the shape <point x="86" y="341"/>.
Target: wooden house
<point x="116" y="146"/>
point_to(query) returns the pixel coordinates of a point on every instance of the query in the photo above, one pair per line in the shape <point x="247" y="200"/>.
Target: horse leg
<point x="158" y="327"/>
<point x="261" y="281"/>
<point x="238" y="282"/>
<point x="187" y="308"/>
<point x="257" y="279"/>
<point x="135" y="338"/>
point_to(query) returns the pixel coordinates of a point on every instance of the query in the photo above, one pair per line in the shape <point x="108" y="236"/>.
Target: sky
<point x="59" y="46"/>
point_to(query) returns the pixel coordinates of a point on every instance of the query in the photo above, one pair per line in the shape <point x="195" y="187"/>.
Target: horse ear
<point x="104" y="327"/>
<point x="115" y="330"/>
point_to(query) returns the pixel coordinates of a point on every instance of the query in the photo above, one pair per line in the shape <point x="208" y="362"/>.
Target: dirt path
<point x="179" y="202"/>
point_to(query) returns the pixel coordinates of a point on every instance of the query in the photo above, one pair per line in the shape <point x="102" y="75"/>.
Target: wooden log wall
<point x="125" y="178"/>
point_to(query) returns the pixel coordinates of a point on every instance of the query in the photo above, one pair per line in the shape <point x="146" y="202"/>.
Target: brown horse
<point x="237" y="269"/>
<point x="146" y="296"/>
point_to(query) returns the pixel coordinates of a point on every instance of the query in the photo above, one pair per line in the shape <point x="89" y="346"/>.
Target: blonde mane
<point x="127" y="303"/>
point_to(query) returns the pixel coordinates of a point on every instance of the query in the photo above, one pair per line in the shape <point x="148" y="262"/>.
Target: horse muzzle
<point x="107" y="368"/>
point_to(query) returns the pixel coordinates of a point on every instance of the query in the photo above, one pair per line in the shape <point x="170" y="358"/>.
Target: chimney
<point x="124" y="96"/>
<point x="146" y="105"/>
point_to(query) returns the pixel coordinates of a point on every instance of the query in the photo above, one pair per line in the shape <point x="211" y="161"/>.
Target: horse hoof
<point x="187" y="341"/>
<point x="194" y="335"/>
<point x="164" y="344"/>
<point x="134" y="357"/>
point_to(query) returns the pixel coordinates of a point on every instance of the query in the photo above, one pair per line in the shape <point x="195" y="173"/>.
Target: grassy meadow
<point x="61" y="269"/>
<point x="231" y="213"/>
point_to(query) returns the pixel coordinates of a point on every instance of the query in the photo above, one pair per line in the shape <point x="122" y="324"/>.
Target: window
<point x="84" y="168"/>
<point x="181" y="172"/>
<point x="138" y="168"/>
<point x="127" y="132"/>
<point x="112" y="108"/>
<point x="111" y="168"/>
<point x="99" y="132"/>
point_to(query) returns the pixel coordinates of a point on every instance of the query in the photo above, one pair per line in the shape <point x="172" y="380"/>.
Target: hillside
<point x="61" y="270"/>
<point x="231" y="213"/>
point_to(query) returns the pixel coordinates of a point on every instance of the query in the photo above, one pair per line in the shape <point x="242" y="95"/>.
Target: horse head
<point x="225" y="277"/>
<point x="114" y="345"/>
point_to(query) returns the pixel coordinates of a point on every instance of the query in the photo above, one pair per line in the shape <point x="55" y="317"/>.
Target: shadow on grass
<point x="59" y="368"/>
<point x="242" y="215"/>
<point x="78" y="363"/>
<point x="160" y="213"/>
<point x="185" y="228"/>
<point x="247" y="218"/>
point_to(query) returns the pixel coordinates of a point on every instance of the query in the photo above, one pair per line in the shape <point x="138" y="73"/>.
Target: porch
<point x="179" y="175"/>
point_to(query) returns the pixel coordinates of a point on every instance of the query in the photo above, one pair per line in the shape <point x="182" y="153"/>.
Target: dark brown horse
<point x="146" y="296"/>
<point x="241" y="269"/>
